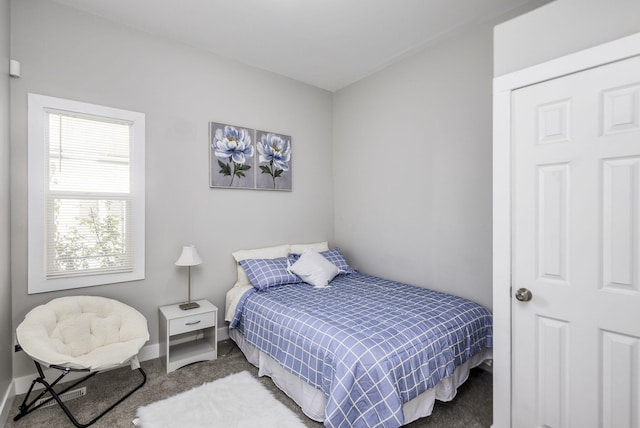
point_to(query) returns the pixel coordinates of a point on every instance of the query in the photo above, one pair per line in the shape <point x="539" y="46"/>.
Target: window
<point x="86" y="194"/>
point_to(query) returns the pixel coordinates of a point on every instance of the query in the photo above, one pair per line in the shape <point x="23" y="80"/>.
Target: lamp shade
<point x="189" y="256"/>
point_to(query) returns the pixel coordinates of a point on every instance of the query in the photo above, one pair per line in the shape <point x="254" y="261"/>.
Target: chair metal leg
<point x="27" y="407"/>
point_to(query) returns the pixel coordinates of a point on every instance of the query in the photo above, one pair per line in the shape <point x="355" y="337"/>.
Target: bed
<point x="352" y="350"/>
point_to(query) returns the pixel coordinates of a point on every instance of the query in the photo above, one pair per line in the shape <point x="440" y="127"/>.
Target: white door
<point x="576" y="249"/>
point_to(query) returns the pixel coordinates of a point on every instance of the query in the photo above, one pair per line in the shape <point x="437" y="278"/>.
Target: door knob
<point x="523" y="295"/>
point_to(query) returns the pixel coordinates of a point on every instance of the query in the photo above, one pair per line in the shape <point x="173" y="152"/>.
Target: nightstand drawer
<point x="194" y="322"/>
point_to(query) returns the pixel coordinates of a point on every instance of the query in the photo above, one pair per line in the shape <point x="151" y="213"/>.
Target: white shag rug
<point x="236" y="401"/>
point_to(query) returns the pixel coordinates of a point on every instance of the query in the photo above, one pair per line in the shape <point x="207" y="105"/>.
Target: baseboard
<point x="7" y="401"/>
<point x="21" y="384"/>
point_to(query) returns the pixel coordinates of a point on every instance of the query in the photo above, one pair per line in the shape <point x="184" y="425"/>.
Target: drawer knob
<point x="193" y="323"/>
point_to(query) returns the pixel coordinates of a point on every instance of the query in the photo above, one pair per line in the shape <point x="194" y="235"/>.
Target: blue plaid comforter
<point x="368" y="343"/>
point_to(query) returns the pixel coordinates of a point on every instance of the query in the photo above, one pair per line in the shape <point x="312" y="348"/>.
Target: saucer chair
<point x="83" y="334"/>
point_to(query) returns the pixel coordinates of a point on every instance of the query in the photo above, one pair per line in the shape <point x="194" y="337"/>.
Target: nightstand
<point x="188" y="336"/>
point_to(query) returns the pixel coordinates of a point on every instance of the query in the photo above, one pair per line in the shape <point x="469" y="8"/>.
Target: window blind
<point x="88" y="195"/>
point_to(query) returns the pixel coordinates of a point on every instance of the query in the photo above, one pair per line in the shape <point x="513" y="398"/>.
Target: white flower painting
<point x="274" y="161"/>
<point x="233" y="163"/>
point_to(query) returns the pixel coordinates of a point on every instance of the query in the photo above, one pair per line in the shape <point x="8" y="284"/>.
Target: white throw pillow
<point x="314" y="269"/>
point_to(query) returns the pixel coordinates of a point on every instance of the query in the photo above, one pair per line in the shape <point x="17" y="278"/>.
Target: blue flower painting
<point x="232" y="156"/>
<point x="233" y="162"/>
<point x="274" y="161"/>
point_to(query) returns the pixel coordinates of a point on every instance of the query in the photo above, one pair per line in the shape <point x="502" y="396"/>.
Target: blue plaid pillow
<point x="335" y="256"/>
<point x="265" y="273"/>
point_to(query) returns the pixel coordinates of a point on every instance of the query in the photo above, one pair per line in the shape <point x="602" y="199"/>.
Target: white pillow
<point x="314" y="269"/>
<point x="259" y="253"/>
<point x="318" y="246"/>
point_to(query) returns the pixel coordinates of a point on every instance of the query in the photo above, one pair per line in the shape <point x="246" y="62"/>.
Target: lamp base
<point x="187" y="306"/>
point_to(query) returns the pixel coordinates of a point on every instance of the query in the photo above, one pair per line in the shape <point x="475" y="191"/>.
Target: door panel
<point x="620" y="208"/>
<point x="576" y="247"/>
<point x="620" y="387"/>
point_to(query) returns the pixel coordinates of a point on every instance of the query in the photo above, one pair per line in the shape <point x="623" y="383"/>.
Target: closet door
<point x="576" y="250"/>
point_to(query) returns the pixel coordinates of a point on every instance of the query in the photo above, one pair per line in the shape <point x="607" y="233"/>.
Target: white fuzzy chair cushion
<point x="83" y="332"/>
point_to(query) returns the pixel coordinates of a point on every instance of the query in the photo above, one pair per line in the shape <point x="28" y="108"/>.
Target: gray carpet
<point x="471" y="408"/>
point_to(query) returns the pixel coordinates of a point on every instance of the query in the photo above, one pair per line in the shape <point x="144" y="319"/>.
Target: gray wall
<point x="6" y="335"/>
<point x="561" y="28"/>
<point x="70" y="54"/>
<point x="412" y="168"/>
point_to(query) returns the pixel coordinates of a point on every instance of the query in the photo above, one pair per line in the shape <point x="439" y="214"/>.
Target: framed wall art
<point x="245" y="158"/>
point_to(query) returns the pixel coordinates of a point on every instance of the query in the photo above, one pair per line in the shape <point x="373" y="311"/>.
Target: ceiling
<point x="326" y="43"/>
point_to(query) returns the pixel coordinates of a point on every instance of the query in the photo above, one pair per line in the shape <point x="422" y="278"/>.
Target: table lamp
<point x="189" y="257"/>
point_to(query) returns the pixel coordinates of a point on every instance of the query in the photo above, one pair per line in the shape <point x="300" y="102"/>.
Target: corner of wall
<point x="6" y="334"/>
<point x="6" y="403"/>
